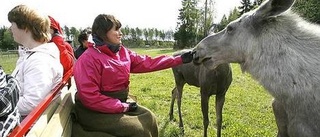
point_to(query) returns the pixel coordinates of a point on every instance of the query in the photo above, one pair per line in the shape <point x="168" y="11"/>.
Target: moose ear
<point x="273" y="8"/>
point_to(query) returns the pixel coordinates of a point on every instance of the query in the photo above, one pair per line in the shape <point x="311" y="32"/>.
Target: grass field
<point x="247" y="111"/>
<point x="8" y="61"/>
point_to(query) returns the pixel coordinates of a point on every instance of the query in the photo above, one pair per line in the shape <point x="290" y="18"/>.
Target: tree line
<point x="309" y="9"/>
<point x="195" y="21"/>
<point x="193" y="26"/>
<point x="132" y="37"/>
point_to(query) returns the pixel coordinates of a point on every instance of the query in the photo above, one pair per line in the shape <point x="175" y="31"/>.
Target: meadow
<point x="247" y="111"/>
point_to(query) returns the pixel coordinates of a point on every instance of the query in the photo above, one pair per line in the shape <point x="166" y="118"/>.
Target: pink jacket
<point x="98" y="69"/>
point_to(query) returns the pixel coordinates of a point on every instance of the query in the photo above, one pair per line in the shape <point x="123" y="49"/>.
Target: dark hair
<point x="103" y="23"/>
<point x="84" y="34"/>
<point x="55" y="30"/>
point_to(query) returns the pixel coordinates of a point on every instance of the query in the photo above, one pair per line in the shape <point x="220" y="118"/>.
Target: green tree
<point x="162" y="35"/>
<point x="246" y="6"/>
<point x="309" y="9"/>
<point x="7" y="42"/>
<point x="66" y="31"/>
<point x="169" y="35"/>
<point x="133" y="33"/>
<point x="139" y="33"/>
<point x="233" y="15"/>
<point x="146" y="35"/>
<point x="125" y="32"/>
<point x="6" y="39"/>
<point x="151" y="34"/>
<point x="257" y="2"/>
<point x="2" y="30"/>
<point x="186" y="33"/>
<point x="223" y="23"/>
<point x="74" y="33"/>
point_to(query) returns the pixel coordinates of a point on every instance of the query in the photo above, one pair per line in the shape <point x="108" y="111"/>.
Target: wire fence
<point x="8" y="54"/>
<point x="8" y="60"/>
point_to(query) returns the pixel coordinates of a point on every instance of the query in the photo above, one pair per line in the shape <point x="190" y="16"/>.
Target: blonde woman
<point x="38" y="70"/>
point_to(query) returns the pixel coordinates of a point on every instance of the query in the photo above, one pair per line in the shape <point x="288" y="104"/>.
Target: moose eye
<point x="229" y="29"/>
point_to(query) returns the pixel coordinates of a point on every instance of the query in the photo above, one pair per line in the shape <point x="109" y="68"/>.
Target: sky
<point x="160" y="14"/>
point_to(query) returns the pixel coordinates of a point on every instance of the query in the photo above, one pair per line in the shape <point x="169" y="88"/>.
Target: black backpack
<point x="9" y="115"/>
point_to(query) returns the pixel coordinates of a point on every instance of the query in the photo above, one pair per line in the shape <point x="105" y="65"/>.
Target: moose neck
<point x="288" y="55"/>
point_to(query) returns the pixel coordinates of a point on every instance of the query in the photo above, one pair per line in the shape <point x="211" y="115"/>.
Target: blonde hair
<point x="29" y="19"/>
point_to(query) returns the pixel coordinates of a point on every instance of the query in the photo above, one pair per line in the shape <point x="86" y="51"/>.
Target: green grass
<point x="8" y="61"/>
<point x="247" y="111"/>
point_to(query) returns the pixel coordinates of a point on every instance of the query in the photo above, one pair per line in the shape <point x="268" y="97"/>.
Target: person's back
<point x="39" y="70"/>
<point x="83" y="40"/>
<point x="66" y="52"/>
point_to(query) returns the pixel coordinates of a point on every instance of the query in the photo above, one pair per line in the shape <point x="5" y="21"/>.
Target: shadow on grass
<point x="170" y="130"/>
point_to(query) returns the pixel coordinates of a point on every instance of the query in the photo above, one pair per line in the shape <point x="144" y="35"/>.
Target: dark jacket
<point x="79" y="51"/>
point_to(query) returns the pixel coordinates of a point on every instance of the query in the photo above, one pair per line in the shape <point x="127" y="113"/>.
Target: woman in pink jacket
<point x="102" y="78"/>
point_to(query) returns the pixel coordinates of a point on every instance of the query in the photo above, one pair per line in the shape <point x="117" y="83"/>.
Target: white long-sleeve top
<point x="38" y="71"/>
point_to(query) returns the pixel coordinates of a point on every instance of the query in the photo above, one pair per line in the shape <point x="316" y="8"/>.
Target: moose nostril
<point x="195" y="58"/>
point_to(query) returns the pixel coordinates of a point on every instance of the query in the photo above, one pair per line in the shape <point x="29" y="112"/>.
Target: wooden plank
<point x="44" y="119"/>
<point x="37" y="129"/>
<point x="59" y="119"/>
<point x="67" y="131"/>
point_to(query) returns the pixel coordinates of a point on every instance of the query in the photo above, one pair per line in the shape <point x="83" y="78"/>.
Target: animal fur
<point x="281" y="51"/>
<point x="211" y="82"/>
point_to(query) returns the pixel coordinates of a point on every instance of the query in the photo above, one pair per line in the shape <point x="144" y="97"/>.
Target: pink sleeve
<point x="144" y="63"/>
<point x="87" y="78"/>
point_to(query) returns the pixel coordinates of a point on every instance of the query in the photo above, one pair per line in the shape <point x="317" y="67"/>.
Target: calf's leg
<point x="177" y="93"/>
<point x="204" y="108"/>
<point x="220" y="98"/>
<point x="173" y="99"/>
<point x="179" y="96"/>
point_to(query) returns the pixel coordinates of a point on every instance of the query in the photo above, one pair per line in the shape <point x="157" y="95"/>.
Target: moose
<point x="211" y="82"/>
<point x="281" y="51"/>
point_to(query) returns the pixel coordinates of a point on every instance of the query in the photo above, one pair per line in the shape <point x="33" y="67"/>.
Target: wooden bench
<point x="60" y="122"/>
<point x="51" y="118"/>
